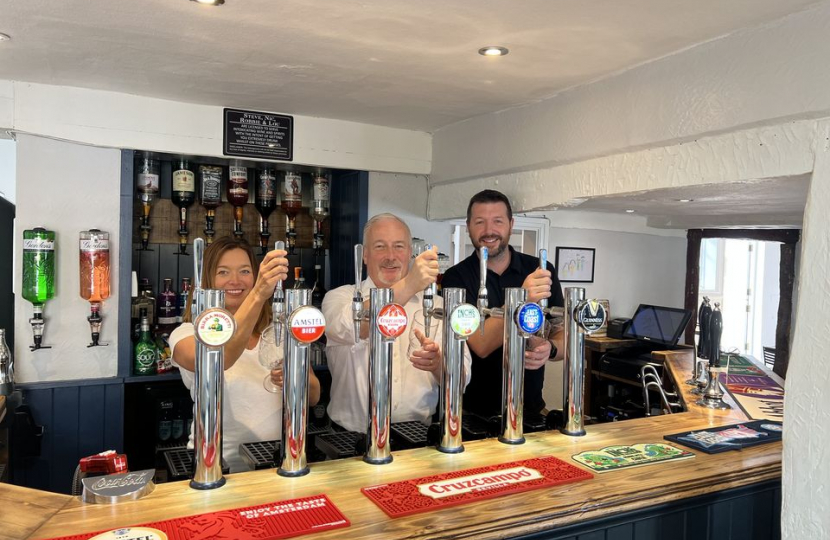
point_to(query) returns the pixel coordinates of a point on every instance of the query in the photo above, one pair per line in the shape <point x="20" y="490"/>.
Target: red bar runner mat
<point x="283" y="519"/>
<point x="451" y="489"/>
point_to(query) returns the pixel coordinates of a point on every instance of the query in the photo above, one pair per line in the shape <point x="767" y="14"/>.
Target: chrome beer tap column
<point x="521" y="320"/>
<point x="387" y="322"/>
<point x="460" y="321"/>
<point x="305" y="324"/>
<point x="582" y="317"/>
<point x="213" y="327"/>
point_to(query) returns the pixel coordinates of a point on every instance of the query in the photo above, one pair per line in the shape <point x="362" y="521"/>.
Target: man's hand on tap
<point x="428" y="357"/>
<point x="538" y="285"/>
<point x="422" y="273"/>
<point x="537" y="353"/>
<point x="273" y="268"/>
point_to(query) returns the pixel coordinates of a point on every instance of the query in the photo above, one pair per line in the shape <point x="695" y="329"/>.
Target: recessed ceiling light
<point x="685" y="200"/>
<point x="629" y="211"/>
<point x="209" y="2"/>
<point x="493" y="51"/>
<point x="5" y="37"/>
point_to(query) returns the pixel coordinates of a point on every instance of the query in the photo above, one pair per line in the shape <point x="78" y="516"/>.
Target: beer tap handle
<point x="278" y="307"/>
<point x="429" y="302"/>
<point x="357" y="299"/>
<point x="543" y="303"/>
<point x="482" y="302"/>
<point x="198" y="263"/>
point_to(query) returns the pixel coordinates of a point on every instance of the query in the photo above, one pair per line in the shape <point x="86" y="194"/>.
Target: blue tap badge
<point x="530" y="318"/>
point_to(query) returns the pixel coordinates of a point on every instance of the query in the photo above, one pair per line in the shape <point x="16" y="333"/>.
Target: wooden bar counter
<point x="37" y="515"/>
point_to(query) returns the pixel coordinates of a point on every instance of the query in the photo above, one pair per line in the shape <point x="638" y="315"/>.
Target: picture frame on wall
<point x="575" y="264"/>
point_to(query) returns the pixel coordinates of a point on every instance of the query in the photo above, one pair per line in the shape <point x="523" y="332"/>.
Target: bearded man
<point x="490" y="223"/>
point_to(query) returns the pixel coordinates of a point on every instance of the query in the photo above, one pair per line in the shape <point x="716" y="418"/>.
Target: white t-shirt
<point x="250" y="412"/>
<point x="414" y="391"/>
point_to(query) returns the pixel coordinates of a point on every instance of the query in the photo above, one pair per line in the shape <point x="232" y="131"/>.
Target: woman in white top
<point x="250" y="412"/>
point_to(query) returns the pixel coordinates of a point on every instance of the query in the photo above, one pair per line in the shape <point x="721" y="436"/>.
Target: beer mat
<point x="282" y="519"/>
<point x="740" y="365"/>
<point x="732" y="437"/>
<point x="434" y="492"/>
<point x="613" y="458"/>
<point x="759" y="397"/>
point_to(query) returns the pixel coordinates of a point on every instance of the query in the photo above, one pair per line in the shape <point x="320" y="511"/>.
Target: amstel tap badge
<point x="307" y="324"/>
<point x="392" y="320"/>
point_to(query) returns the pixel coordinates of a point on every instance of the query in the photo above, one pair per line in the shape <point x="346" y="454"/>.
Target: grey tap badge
<point x="114" y="488"/>
<point x="590" y="315"/>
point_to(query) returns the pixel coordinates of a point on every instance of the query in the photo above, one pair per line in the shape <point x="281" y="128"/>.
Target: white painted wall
<point x="806" y="481"/>
<point x="66" y="188"/>
<point x="115" y="120"/>
<point x="8" y="165"/>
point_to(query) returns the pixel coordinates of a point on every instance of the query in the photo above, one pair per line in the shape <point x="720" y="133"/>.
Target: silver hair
<point x="380" y="217"/>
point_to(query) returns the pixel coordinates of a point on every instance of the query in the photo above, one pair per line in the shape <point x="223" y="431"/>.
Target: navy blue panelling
<point x="621" y="532"/>
<point x="349" y="212"/>
<point x="78" y="420"/>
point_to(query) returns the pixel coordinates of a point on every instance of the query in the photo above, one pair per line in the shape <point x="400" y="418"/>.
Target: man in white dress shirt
<point x="387" y="251"/>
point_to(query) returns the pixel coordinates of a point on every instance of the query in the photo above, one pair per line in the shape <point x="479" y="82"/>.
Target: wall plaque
<point x="258" y="135"/>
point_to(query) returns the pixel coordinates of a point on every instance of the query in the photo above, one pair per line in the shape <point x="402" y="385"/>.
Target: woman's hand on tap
<point x="273" y="268"/>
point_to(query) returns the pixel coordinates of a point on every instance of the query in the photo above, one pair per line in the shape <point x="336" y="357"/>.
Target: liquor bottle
<point x="320" y="208"/>
<point x="95" y="276"/>
<point x="292" y="202"/>
<point x="319" y="291"/>
<point x="147" y="186"/>
<point x="185" y="288"/>
<point x="299" y="280"/>
<point x="164" y="363"/>
<point x="168" y="304"/>
<point x="237" y="193"/>
<point x="183" y="196"/>
<point x="704" y="318"/>
<point x="145" y="350"/>
<point x="165" y="423"/>
<point x="265" y="202"/>
<point x="715" y="333"/>
<point x="210" y="194"/>
<point x="38" y="276"/>
<point x="6" y="366"/>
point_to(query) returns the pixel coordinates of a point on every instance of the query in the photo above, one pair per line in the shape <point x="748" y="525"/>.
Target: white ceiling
<point x="401" y="63"/>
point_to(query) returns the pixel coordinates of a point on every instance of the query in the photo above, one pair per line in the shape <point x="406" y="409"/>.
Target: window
<point x="711" y="266"/>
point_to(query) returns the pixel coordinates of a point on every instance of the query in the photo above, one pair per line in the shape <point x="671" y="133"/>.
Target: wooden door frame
<point x="786" y="278"/>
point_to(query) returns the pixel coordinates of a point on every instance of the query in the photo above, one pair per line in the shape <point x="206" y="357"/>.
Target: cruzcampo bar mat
<point x="614" y="458"/>
<point x="733" y="437"/>
<point x="460" y="487"/>
<point x="283" y="519"/>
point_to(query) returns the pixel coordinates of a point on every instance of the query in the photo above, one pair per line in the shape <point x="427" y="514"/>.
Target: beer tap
<point x="428" y="303"/>
<point x="359" y="312"/>
<point x="213" y="327"/>
<point x="278" y="307"/>
<point x="482" y="302"/>
<point x="552" y="311"/>
<point x="460" y="322"/>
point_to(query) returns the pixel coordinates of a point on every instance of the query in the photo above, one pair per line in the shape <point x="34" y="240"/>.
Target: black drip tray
<point x="474" y="427"/>
<point x="180" y="464"/>
<point x="408" y="435"/>
<point x="259" y="455"/>
<point x="338" y="445"/>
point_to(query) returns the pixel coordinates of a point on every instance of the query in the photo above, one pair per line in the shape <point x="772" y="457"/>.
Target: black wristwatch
<point x="553" y="350"/>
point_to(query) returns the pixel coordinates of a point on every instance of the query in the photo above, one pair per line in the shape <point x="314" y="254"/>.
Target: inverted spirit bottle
<point x="210" y="195"/>
<point x="320" y="209"/>
<point x="147" y="187"/>
<point x="95" y="277"/>
<point x="292" y="202"/>
<point x="183" y="196"/>
<point x="265" y="202"/>
<point x="38" y="277"/>
<point x="237" y="193"/>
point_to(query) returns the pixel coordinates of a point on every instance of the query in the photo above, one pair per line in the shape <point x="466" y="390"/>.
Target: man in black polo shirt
<point x="490" y="222"/>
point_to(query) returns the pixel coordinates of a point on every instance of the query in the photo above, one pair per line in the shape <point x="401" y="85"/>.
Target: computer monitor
<point x="657" y="324"/>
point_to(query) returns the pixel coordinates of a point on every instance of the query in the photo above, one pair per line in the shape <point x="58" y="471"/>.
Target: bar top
<point x="541" y="509"/>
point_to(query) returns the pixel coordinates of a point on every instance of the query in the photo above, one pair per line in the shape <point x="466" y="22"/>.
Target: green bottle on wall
<point x="146" y="353"/>
<point x="38" y="276"/>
